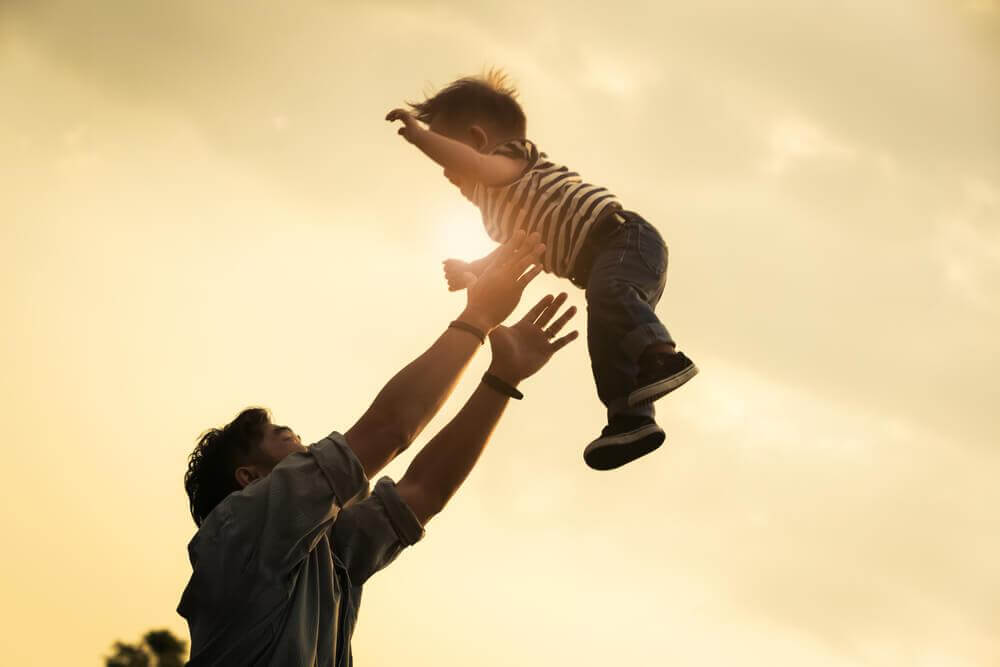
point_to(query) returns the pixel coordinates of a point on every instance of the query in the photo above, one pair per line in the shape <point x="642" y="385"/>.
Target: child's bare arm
<point x="455" y="156"/>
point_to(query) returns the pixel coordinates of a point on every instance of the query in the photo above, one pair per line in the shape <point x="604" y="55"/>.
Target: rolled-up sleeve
<point x="369" y="535"/>
<point x="304" y="494"/>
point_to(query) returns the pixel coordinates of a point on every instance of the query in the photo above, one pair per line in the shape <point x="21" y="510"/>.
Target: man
<point x="289" y="534"/>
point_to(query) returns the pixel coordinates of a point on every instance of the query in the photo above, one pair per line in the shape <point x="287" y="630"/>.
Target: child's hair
<point x="489" y="97"/>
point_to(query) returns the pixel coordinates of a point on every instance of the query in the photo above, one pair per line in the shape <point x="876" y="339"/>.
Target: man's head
<point x="479" y="111"/>
<point x="229" y="458"/>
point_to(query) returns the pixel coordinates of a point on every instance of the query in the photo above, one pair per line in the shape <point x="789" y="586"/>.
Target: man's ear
<point x="479" y="137"/>
<point x="245" y="475"/>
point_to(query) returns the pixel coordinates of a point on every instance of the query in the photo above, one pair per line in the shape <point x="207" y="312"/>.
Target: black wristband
<point x="471" y="329"/>
<point x="496" y="383"/>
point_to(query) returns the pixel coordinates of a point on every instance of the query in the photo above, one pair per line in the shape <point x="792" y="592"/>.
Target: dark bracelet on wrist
<point x="499" y="385"/>
<point x="462" y="326"/>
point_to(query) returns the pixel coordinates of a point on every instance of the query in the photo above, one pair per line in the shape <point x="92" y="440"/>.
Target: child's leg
<point x="614" y="374"/>
<point x="625" y="284"/>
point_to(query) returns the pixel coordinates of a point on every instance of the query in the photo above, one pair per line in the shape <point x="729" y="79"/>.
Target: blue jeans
<point x="625" y="283"/>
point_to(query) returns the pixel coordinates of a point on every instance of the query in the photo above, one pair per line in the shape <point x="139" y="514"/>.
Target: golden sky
<point x="202" y="209"/>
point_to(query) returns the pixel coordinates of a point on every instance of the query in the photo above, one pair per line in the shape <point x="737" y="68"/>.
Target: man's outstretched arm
<point x="444" y="463"/>
<point x="415" y="394"/>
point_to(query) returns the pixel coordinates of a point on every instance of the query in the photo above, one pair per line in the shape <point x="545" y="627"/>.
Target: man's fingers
<point x="536" y="310"/>
<point x="520" y="262"/>
<point x="560" y="323"/>
<point x="530" y="241"/>
<point x="548" y="313"/>
<point x="525" y="246"/>
<point x="507" y="249"/>
<point x="530" y="244"/>
<point x="529" y="276"/>
<point x="564" y="341"/>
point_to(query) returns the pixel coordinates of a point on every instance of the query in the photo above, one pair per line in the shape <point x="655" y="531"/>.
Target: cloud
<point x="793" y="139"/>
<point x="611" y="72"/>
<point x="967" y="247"/>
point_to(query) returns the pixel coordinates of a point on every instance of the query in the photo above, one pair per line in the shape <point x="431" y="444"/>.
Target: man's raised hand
<point x="521" y="350"/>
<point x="493" y="296"/>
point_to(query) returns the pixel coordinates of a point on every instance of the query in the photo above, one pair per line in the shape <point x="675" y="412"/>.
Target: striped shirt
<point x="548" y="198"/>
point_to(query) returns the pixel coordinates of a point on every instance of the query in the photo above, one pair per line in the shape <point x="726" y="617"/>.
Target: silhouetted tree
<point x="169" y="650"/>
<point x="158" y="648"/>
<point x="128" y="655"/>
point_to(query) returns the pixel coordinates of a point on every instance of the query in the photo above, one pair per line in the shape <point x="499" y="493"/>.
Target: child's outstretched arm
<point x="455" y="156"/>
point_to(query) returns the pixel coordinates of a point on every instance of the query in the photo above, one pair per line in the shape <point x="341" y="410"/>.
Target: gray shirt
<point x="278" y="566"/>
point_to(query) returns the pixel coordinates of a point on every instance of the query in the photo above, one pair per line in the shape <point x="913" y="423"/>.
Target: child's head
<point x="480" y="111"/>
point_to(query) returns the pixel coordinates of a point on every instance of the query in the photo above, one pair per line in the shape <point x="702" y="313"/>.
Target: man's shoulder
<point x="241" y="515"/>
<point x="232" y="516"/>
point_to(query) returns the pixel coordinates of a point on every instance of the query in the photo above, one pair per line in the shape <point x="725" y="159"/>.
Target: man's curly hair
<point x="474" y="99"/>
<point x="211" y="471"/>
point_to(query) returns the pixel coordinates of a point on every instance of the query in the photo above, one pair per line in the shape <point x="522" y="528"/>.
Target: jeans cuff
<point x="642" y="337"/>
<point x="620" y="406"/>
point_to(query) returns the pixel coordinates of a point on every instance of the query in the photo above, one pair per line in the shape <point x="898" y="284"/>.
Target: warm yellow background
<point x="201" y="209"/>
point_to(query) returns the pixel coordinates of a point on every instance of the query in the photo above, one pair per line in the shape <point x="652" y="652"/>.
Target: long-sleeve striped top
<point x="547" y="198"/>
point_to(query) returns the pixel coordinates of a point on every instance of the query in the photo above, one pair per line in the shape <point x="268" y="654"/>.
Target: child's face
<point x="464" y="185"/>
<point x="472" y="136"/>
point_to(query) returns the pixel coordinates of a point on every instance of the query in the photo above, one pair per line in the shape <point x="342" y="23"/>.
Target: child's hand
<point x="459" y="274"/>
<point x="410" y="124"/>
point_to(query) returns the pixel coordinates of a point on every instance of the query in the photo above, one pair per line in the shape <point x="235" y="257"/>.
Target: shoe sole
<point x="657" y="390"/>
<point x="615" y="451"/>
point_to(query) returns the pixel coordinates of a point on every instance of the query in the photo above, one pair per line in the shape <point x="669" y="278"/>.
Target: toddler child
<point x="476" y="132"/>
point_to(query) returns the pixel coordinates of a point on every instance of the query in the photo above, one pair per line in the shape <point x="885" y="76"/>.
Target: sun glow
<point x="459" y="233"/>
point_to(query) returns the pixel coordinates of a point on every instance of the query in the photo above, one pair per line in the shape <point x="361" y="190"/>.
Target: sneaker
<point x="624" y="439"/>
<point x="663" y="374"/>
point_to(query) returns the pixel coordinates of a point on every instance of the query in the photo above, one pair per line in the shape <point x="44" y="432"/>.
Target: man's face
<point x="279" y="442"/>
